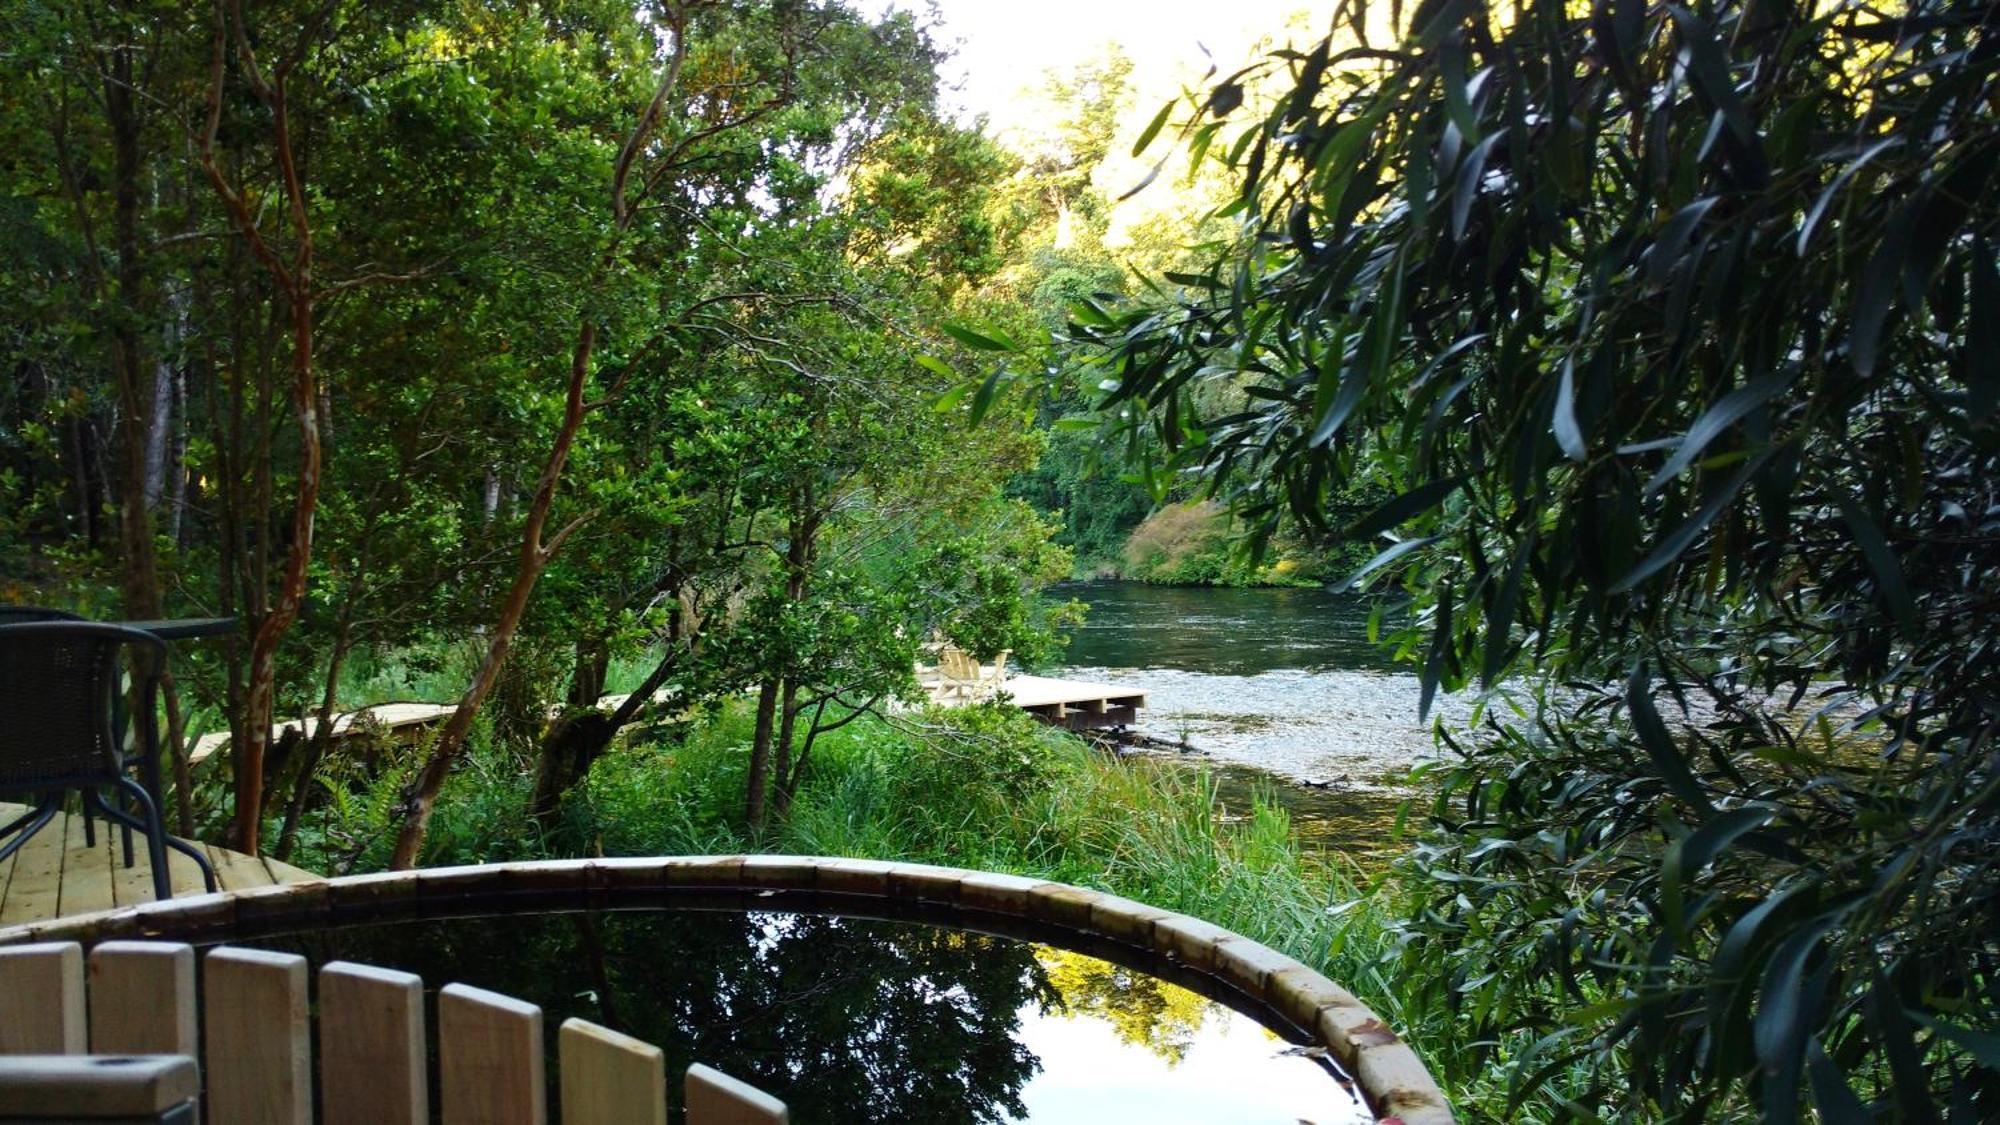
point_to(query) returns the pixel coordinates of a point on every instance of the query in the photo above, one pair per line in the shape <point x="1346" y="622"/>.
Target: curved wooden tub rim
<point x="1387" y="1069"/>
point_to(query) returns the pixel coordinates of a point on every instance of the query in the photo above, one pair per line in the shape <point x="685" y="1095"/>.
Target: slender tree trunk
<point x="760" y="754"/>
<point x="794" y="765"/>
<point x="86" y="508"/>
<point x="322" y="735"/>
<point x="575" y="742"/>
<point x="178" y="472"/>
<point x="592" y="667"/>
<point x="138" y="385"/>
<point x="535" y="557"/>
<point x="295" y="281"/>
<point x="781" y="771"/>
<point x="170" y="694"/>
<point x="800" y="550"/>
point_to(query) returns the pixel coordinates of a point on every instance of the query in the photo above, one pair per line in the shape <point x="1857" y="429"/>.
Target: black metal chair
<point x="60" y="729"/>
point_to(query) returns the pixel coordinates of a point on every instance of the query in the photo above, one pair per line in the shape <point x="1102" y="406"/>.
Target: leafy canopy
<point x="1670" y="330"/>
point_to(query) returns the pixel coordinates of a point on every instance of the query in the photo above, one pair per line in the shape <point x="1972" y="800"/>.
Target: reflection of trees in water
<point x="1145" y="1011"/>
<point x="844" y="1020"/>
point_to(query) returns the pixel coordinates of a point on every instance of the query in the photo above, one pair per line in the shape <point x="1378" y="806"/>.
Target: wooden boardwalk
<point x="56" y="875"/>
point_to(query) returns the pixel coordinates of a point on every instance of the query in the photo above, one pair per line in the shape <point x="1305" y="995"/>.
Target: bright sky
<point x="1006" y="45"/>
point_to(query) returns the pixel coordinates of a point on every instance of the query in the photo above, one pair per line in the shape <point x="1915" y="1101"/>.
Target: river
<point x="1279" y="689"/>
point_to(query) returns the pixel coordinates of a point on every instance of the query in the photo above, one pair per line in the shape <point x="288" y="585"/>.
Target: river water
<point x="1279" y="689"/>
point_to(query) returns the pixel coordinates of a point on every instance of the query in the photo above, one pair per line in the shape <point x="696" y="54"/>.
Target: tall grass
<point x="988" y="789"/>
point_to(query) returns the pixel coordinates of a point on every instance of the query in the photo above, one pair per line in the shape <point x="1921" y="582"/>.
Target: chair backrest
<point x="59" y="685"/>
<point x="958" y="664"/>
<point x="26" y="614"/>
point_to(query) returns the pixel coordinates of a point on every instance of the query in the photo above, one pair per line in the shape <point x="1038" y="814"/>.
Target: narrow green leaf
<point x="1660" y="746"/>
<point x="1147" y="181"/>
<point x="1717" y="419"/>
<point x="1152" y="129"/>
<point x="1569" y="435"/>
<point x="1709" y="68"/>
<point x="1983" y="1046"/>
<point x="983" y="401"/>
<point x="1782" y="1023"/>
<point x="948" y="401"/>
<point x="1416" y="501"/>
<point x="1673" y="240"/>
<point x="937" y="367"/>
<point x="1687" y="856"/>
<point x="1500" y="620"/>
<point x="1891" y="1027"/>
<point x="1383" y="559"/>
<point x="1676" y="543"/>
<point x="1835" y="1099"/>
<point x="1882" y="561"/>
<point x="1465" y="186"/>
<point x="982" y="340"/>
<point x="1825" y="197"/>
<point x="1875" y="294"/>
<point x="1335" y="414"/>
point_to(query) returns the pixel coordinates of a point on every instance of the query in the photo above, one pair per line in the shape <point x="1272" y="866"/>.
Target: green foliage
<point x="802" y="221"/>
<point x="1659" y="330"/>
<point x="988" y="788"/>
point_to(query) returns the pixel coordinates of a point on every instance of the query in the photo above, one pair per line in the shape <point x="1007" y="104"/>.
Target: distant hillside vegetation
<point x="1189" y="544"/>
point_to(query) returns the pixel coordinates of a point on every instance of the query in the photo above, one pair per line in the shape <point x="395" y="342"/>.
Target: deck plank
<point x="36" y="887"/>
<point x="86" y="881"/>
<point x="236" y="871"/>
<point x="55" y="875"/>
<point x="6" y="878"/>
<point x="132" y="885"/>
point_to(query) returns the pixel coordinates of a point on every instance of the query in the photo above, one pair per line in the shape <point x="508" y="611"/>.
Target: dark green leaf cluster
<point x="1670" y="330"/>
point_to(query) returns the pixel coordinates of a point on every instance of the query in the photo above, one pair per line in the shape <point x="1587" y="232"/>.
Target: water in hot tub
<point x="862" y="1020"/>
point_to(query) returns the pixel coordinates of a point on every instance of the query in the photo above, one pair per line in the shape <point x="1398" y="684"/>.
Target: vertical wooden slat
<point x="609" y="1078"/>
<point x="41" y="999"/>
<point x="371" y="1046"/>
<point x="142" y="999"/>
<point x="259" y="1052"/>
<point x="714" y="1098"/>
<point x="489" y="1059"/>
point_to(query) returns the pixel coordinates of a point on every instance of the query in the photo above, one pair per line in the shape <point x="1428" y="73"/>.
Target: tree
<point x="1664" y="326"/>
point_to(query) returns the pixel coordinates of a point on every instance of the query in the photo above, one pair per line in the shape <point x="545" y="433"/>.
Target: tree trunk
<point x="177" y="472"/>
<point x="295" y="281"/>
<point x="578" y="739"/>
<point x="760" y="755"/>
<point x="535" y="556"/>
<point x="322" y="735"/>
<point x="138" y="386"/>
<point x="593" y="665"/>
<point x="781" y="771"/>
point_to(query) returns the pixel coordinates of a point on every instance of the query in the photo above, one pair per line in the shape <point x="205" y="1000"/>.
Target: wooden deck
<point x="1073" y="703"/>
<point x="55" y="875"/>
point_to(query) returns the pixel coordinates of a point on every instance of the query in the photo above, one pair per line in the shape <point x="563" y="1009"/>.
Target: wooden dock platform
<point x="55" y="874"/>
<point x="1073" y="704"/>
